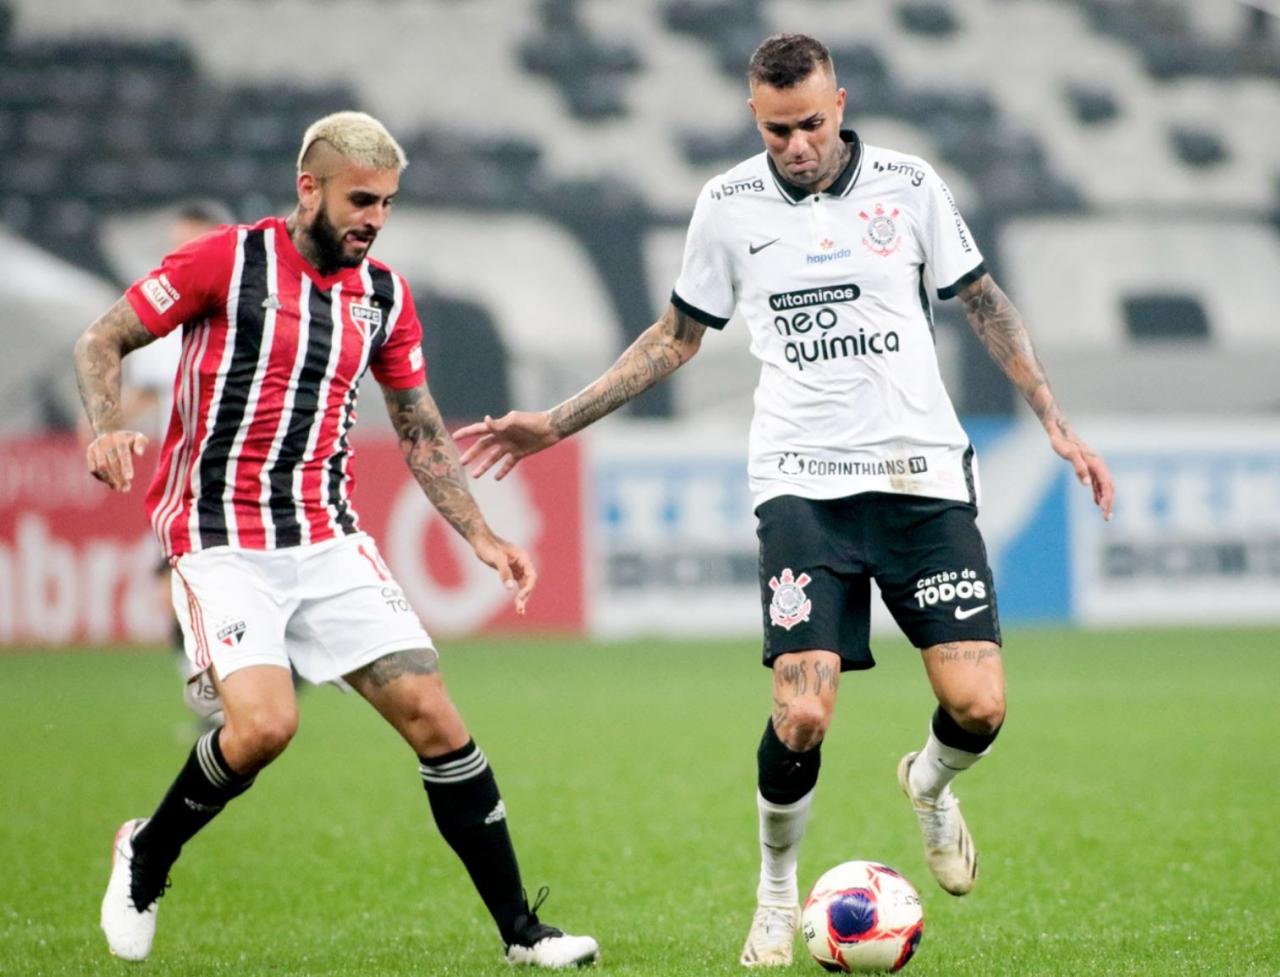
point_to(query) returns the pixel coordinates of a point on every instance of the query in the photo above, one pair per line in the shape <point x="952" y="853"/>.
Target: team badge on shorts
<point x="230" y="634"/>
<point x="789" y="606"/>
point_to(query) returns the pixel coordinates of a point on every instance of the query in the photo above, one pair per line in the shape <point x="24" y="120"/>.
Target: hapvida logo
<point x="822" y="259"/>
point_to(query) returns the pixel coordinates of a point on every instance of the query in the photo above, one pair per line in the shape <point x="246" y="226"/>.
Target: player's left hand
<point x="513" y="564"/>
<point x="110" y="457"/>
<point x="1089" y="466"/>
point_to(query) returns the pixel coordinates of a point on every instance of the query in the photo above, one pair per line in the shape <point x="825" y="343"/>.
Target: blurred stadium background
<point x="1119" y="161"/>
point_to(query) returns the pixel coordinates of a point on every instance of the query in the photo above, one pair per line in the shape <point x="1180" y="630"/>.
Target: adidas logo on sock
<point x="499" y="813"/>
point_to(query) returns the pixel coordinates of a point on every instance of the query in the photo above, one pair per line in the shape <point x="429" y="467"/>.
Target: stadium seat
<point x="607" y="119"/>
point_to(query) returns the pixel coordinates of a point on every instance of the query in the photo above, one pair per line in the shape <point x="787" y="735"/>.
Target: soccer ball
<point x="862" y="917"/>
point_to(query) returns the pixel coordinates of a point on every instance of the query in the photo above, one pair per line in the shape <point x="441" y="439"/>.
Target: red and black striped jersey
<point x="257" y="454"/>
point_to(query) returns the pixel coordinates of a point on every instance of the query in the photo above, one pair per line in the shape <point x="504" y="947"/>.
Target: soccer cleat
<point x="948" y="846"/>
<point x="773" y="930"/>
<point x="536" y="944"/>
<point x="129" y="906"/>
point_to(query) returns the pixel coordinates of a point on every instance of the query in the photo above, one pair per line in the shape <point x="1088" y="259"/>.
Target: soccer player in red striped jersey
<point x="252" y="503"/>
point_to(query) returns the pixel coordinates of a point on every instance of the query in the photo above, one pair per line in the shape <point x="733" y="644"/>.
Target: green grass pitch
<point x="1128" y="818"/>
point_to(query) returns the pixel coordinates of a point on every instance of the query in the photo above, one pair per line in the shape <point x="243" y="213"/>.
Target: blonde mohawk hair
<point x="356" y="136"/>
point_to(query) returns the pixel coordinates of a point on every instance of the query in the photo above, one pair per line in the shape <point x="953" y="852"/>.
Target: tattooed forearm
<point x="656" y="353"/>
<point x="98" y="355"/>
<point x="999" y="325"/>
<point x="380" y="673"/>
<point x="433" y="458"/>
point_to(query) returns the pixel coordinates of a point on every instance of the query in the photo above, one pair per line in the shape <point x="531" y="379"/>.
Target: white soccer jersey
<point x="834" y="288"/>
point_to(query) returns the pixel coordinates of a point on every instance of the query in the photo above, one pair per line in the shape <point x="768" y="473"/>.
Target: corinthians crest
<point x="789" y="606"/>
<point x="882" y="233"/>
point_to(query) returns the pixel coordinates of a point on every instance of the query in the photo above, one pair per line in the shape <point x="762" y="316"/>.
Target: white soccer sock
<point x="936" y="766"/>
<point x="781" y="829"/>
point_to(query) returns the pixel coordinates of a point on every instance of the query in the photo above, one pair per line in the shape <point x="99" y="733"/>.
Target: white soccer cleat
<point x="948" y="846"/>
<point x="773" y="931"/>
<point x="555" y="950"/>
<point x="129" y="931"/>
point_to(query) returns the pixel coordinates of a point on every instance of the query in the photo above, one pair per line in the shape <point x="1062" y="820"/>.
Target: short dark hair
<point x="784" y="60"/>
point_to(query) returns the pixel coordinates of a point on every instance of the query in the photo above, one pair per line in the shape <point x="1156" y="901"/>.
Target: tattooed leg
<point x="407" y="689"/>
<point x="968" y="680"/>
<point x="804" y="696"/>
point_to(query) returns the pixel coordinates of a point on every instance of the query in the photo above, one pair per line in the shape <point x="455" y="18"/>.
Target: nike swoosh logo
<point x="962" y="613"/>
<point x="757" y="248"/>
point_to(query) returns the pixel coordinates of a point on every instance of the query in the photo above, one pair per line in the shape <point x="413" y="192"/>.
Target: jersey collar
<point x="289" y="253"/>
<point x="843" y="183"/>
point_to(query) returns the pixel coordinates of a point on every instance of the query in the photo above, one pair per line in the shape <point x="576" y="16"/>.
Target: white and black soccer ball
<point x="862" y="917"/>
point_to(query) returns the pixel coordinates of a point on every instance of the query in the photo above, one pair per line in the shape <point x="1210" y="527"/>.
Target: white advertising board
<point x="1196" y="533"/>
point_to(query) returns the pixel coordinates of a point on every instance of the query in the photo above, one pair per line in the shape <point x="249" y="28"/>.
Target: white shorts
<point x="327" y="608"/>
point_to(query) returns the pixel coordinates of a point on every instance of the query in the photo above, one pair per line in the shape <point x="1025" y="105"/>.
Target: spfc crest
<point x="230" y="634"/>
<point x="789" y="606"/>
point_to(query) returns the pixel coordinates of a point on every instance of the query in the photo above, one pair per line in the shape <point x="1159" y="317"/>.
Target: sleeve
<point x="399" y="363"/>
<point x="952" y="256"/>
<point x="705" y="289"/>
<point x="189" y="283"/>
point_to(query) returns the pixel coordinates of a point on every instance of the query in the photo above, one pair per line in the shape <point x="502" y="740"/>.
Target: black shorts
<point x="818" y="557"/>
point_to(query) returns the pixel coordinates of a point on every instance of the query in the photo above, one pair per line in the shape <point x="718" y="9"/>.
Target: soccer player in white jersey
<point x="859" y="469"/>
<point x="251" y="502"/>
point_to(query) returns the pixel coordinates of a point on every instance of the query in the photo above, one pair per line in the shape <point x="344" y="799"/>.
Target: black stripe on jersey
<point x="236" y="385"/>
<point x="306" y="413"/>
<point x="339" y="506"/>
<point x="695" y="313"/>
<point x="956" y="287"/>
<point x="384" y="297"/>
<point x="967" y="463"/>
<point x="925" y="307"/>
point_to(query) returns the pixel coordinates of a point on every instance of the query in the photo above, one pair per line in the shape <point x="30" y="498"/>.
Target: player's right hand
<point x="110" y="457"/>
<point x="511" y="437"/>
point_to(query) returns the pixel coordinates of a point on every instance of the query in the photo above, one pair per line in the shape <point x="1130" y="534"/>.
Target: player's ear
<point x="751" y="104"/>
<point x="841" y="95"/>
<point x="308" y="188"/>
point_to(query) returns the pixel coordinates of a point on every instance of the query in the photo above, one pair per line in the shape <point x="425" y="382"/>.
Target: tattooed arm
<point x="98" y="355"/>
<point x="1000" y="327"/>
<point x="657" y="353"/>
<point x="433" y="458"/>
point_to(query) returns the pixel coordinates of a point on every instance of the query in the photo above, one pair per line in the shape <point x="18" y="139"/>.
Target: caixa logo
<point x="738" y="186"/>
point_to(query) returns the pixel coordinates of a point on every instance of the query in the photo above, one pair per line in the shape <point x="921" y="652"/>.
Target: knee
<point x="981" y="713"/>
<point x="429" y="729"/>
<point x="261" y="737"/>
<point x="803" y="724"/>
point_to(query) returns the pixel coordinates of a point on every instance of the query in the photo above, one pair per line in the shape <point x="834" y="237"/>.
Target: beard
<point x="329" y="243"/>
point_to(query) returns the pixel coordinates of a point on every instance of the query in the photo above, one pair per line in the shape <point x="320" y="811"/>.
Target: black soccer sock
<point x="951" y="733"/>
<point x="785" y="776"/>
<point x="473" y="820"/>
<point x="202" y="789"/>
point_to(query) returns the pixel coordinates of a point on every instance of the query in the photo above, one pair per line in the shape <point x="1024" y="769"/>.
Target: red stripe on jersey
<point x="270" y="407"/>
<point x="345" y="357"/>
<point x="256" y="455"/>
